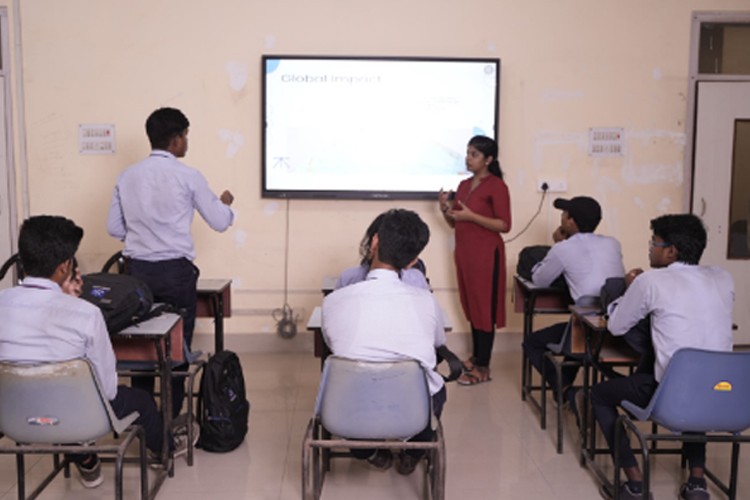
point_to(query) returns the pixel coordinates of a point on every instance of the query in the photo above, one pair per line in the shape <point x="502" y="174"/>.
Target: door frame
<point x="697" y="19"/>
<point x="7" y="117"/>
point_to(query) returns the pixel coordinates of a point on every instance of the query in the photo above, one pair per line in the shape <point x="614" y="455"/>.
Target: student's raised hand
<point x="73" y="284"/>
<point x="632" y="275"/>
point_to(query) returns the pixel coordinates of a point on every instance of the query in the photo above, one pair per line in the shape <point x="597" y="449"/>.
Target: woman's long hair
<point x="488" y="147"/>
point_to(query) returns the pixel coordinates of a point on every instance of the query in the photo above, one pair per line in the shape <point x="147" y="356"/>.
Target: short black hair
<point x="402" y="235"/>
<point x="45" y="242"/>
<point x="685" y="232"/>
<point x="164" y="124"/>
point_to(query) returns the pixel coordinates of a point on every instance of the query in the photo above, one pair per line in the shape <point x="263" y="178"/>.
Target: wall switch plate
<point x="553" y="185"/>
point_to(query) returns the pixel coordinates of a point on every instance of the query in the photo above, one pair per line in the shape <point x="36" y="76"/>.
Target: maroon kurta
<point x="475" y="252"/>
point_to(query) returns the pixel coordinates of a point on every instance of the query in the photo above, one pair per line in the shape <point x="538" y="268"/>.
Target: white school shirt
<point x="690" y="306"/>
<point x="410" y="276"/>
<point x="384" y="319"/>
<point x="153" y="205"/>
<point x="585" y="259"/>
<point x="41" y="323"/>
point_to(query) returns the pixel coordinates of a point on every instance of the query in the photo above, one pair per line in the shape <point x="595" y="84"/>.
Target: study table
<point x="601" y="353"/>
<point x="535" y="300"/>
<point x="156" y="340"/>
<point x="215" y="301"/>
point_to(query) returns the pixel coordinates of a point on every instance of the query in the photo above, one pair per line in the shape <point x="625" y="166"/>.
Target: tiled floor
<point x="495" y="448"/>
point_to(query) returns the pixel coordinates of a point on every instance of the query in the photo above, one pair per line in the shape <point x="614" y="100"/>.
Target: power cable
<point x="545" y="189"/>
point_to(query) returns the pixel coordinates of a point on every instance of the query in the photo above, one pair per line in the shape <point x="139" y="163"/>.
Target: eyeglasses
<point x="658" y="244"/>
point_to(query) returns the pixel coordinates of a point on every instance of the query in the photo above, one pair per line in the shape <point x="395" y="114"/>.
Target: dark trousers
<point x="638" y="389"/>
<point x="126" y="402"/>
<point x="535" y="346"/>
<point x="426" y="435"/>
<point x="482" y="343"/>
<point x="172" y="282"/>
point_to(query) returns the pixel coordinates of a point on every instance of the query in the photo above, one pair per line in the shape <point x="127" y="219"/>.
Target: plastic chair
<point x="370" y="405"/>
<point x="705" y="392"/>
<point x="13" y="260"/>
<point x="45" y="407"/>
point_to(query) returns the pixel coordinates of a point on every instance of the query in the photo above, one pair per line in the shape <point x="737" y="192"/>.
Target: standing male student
<point x="690" y="306"/>
<point x="152" y="210"/>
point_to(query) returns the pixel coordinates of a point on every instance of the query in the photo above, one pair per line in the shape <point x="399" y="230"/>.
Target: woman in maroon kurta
<point x="479" y="212"/>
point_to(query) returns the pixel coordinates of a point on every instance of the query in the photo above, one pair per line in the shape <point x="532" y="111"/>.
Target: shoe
<point x="180" y="437"/>
<point x="625" y="493"/>
<point x="91" y="475"/>
<point x="406" y="463"/>
<point x="381" y="459"/>
<point x="693" y="492"/>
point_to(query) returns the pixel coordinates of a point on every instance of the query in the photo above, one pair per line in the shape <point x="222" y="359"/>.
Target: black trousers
<point x="126" y="402"/>
<point x="535" y="346"/>
<point x="172" y="282"/>
<point x="638" y="389"/>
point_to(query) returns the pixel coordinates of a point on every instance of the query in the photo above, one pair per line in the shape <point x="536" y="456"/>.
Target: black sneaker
<point x="693" y="492"/>
<point x="91" y="474"/>
<point x="406" y="463"/>
<point x="381" y="459"/>
<point x="625" y="493"/>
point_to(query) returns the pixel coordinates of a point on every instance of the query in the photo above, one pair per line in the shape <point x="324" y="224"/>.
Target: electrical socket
<point x="553" y="185"/>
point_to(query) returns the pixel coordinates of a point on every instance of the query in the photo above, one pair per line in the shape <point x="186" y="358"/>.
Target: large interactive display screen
<point x="372" y="127"/>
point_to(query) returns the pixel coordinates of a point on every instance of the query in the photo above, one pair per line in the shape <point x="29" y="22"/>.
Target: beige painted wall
<point x="566" y="66"/>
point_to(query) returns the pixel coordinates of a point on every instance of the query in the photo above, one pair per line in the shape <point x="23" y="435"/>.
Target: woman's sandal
<point x="476" y="376"/>
<point x="469" y="364"/>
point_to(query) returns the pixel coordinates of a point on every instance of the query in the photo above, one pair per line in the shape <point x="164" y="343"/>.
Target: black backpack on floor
<point x="223" y="407"/>
<point x="123" y="299"/>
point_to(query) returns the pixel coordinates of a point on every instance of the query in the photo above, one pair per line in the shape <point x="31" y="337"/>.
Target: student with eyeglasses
<point x="689" y="306"/>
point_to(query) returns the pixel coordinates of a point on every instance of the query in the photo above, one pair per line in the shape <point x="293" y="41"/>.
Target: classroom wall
<point x="566" y="66"/>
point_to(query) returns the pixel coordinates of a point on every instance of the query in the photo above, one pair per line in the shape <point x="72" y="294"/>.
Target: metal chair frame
<point x="48" y="425"/>
<point x="689" y="374"/>
<point x="320" y="444"/>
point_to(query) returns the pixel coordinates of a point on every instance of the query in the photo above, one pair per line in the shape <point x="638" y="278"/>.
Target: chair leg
<point x="21" y="475"/>
<point x="733" y="471"/>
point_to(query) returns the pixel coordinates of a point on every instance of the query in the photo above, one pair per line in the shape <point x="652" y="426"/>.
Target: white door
<point x="721" y="186"/>
<point x="6" y="235"/>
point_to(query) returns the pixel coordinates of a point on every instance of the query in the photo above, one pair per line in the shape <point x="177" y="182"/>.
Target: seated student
<point x="690" y="306"/>
<point x="412" y="275"/>
<point x="585" y="260"/>
<point x="41" y="323"/>
<point x="384" y="319"/>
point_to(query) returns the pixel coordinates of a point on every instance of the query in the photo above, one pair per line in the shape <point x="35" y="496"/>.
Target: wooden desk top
<point x="542" y="299"/>
<point x="612" y="349"/>
<point x="213" y="285"/>
<point x="155" y="327"/>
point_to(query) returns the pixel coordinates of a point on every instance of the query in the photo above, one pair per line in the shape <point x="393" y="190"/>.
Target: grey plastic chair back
<point x="373" y="400"/>
<point x="701" y="391"/>
<point x="58" y="402"/>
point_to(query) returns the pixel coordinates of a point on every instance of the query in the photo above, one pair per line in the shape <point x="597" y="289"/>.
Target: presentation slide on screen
<point x="374" y="125"/>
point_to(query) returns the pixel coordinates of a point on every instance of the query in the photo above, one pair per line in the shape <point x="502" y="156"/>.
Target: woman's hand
<point x="444" y="198"/>
<point x="462" y="214"/>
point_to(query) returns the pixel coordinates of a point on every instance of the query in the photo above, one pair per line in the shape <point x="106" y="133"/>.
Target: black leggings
<point x="482" y="341"/>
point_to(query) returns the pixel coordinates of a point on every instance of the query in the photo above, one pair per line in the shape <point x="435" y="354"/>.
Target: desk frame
<point x="159" y="330"/>
<point x="215" y="301"/>
<point x="535" y="300"/>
